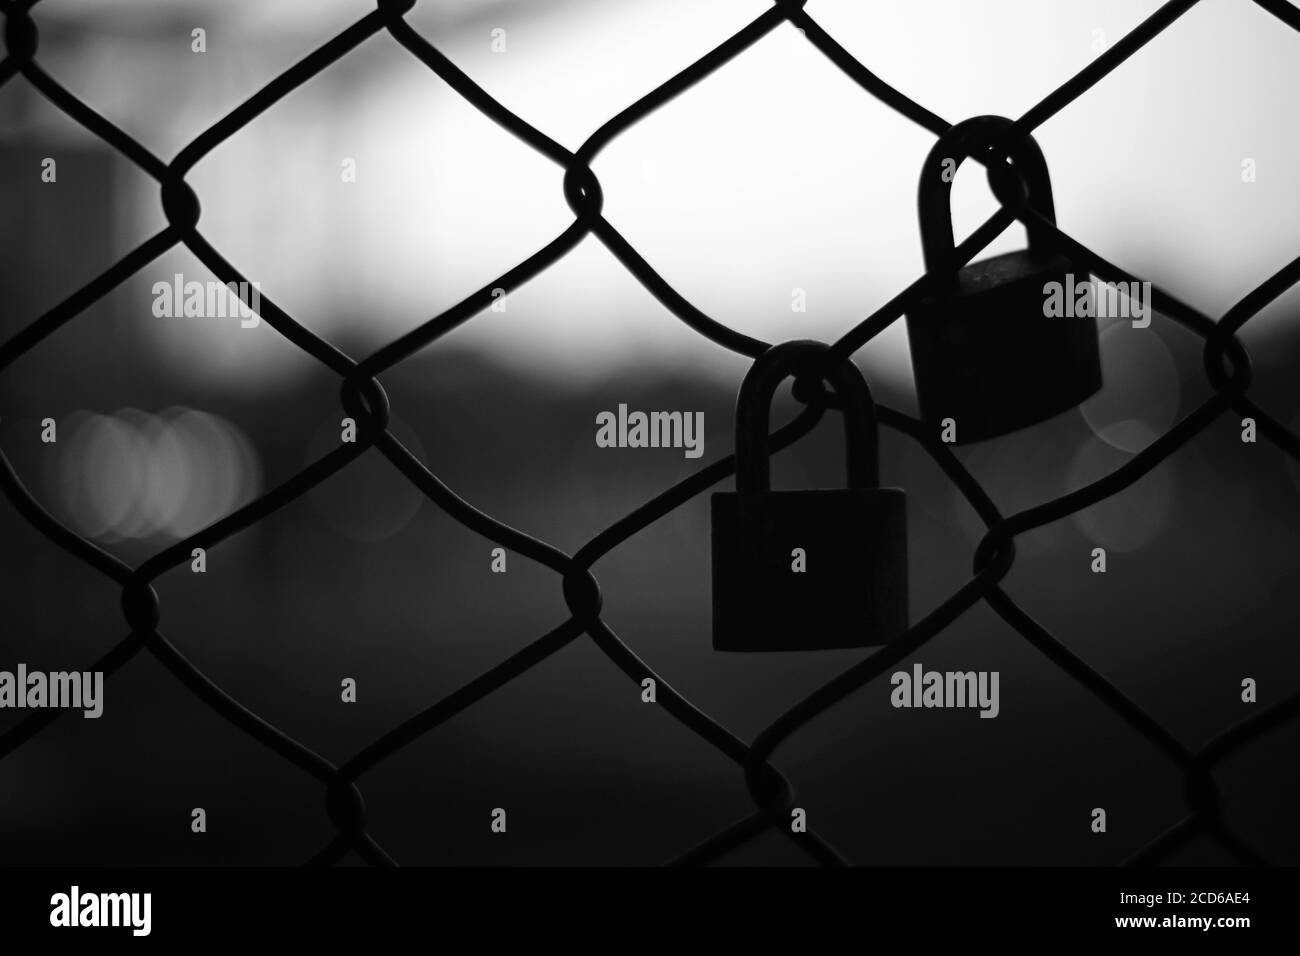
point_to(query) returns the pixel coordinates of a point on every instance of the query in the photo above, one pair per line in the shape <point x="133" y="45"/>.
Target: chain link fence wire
<point x="1226" y="362"/>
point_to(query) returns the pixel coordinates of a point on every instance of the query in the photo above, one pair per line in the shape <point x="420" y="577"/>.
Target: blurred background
<point x="774" y="179"/>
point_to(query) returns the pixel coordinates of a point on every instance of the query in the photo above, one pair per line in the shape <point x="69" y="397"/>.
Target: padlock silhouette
<point x="984" y="353"/>
<point x="849" y="588"/>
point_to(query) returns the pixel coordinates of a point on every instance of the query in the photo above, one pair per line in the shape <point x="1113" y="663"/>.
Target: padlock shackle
<point x="753" y="408"/>
<point x="935" y="193"/>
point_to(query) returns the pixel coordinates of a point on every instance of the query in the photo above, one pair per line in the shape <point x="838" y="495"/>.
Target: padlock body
<point x="853" y="592"/>
<point x="985" y="355"/>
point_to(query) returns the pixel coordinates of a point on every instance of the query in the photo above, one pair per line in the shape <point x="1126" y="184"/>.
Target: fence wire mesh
<point x="1227" y="366"/>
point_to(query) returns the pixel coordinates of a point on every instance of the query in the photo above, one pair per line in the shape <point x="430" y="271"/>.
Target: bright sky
<point x="775" y="174"/>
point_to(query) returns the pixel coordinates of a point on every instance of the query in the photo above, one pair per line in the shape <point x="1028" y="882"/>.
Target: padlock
<point x="984" y="353"/>
<point x="809" y="569"/>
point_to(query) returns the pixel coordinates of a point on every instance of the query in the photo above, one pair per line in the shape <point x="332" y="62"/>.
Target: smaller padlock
<point x="809" y="569"/>
<point x="984" y="352"/>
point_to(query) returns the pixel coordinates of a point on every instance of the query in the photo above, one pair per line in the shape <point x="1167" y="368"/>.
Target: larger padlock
<point x="984" y="352"/>
<point x="810" y="569"/>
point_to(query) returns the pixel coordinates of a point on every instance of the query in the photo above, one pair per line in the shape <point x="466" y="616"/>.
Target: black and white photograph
<point x="524" y="444"/>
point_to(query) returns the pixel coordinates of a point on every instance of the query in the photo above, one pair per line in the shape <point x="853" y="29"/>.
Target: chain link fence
<point x="363" y="398"/>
